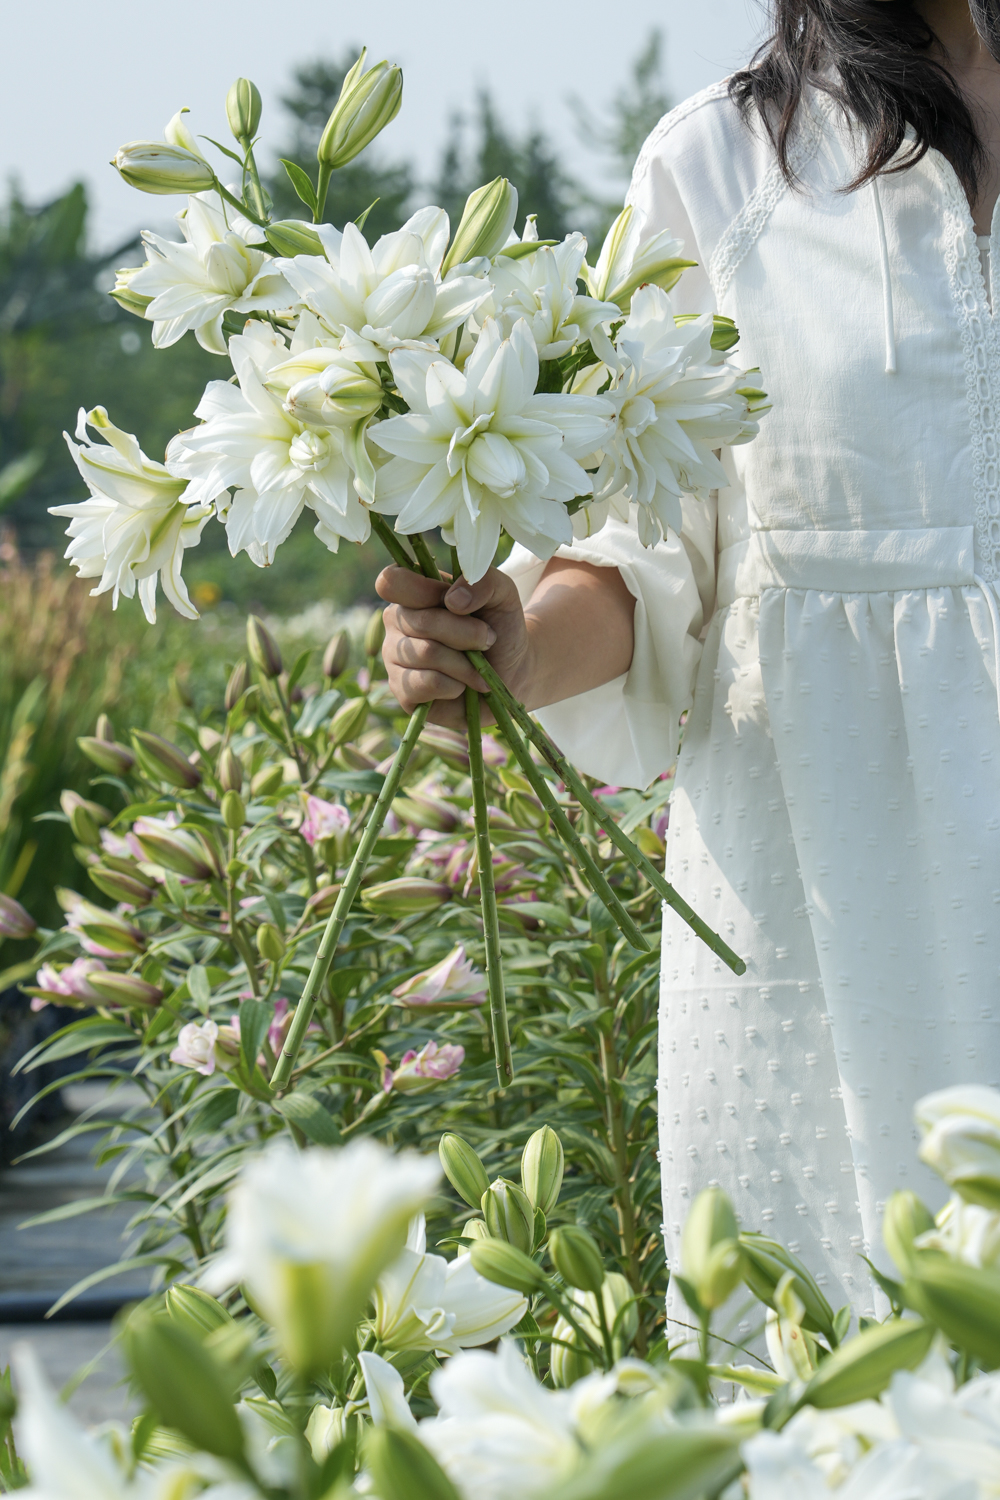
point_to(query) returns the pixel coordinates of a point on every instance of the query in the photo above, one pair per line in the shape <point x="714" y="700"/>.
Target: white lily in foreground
<point x="425" y="1302"/>
<point x="134" y="528"/>
<point x="961" y="1140"/>
<point x="625" y="263"/>
<point x="542" y="287"/>
<point x="676" y="404"/>
<point x="309" y="1234"/>
<point x="278" y="464"/>
<point x="480" y="450"/>
<point x="194" y="282"/>
<point x="391" y="294"/>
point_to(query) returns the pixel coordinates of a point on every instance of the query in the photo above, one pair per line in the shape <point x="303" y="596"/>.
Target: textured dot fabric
<point x="831" y="621"/>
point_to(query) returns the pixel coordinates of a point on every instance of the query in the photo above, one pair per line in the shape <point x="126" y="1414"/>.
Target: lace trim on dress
<point x="982" y="368"/>
<point x="748" y="225"/>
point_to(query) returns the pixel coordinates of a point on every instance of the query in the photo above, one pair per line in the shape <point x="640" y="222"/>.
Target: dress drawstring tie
<point x="887" y="309"/>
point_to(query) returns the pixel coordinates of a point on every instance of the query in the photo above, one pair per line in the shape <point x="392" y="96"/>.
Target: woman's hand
<point x="430" y="625"/>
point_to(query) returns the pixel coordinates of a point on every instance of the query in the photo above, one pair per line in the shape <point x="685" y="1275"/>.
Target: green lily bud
<point x="162" y="761"/>
<point x="15" y="922"/>
<point x="239" y="681"/>
<point x="526" y="811"/>
<point x="119" y="885"/>
<point x="175" y="849"/>
<point x="576" y="1257"/>
<point x="542" y="1165"/>
<point x="905" y="1218"/>
<point x="158" y="167"/>
<point x="463" y="1169"/>
<point x="486" y="223"/>
<point x="291" y="237"/>
<point x="962" y="1300"/>
<point x="421" y="810"/>
<point x="104" y="729"/>
<point x="348" y="721"/>
<point x="509" y="1215"/>
<point x="117" y="937"/>
<point x="322" y="903"/>
<point x="230" y="771"/>
<point x="405" y="897"/>
<point x="243" y="108"/>
<point x="375" y="633"/>
<point x="270" y="943"/>
<point x="337" y="654"/>
<point x="197" y="1312"/>
<point x="367" y="104"/>
<point x="861" y="1369"/>
<point x="452" y="748"/>
<point x="505" y="1265"/>
<point x="124" y="989"/>
<point x="234" y="812"/>
<point x="85" y="818"/>
<point x="263" y="648"/>
<point x="710" y="1251"/>
<point x="106" y="755"/>
<point x="475" y="1229"/>
<point x="568" y="1365"/>
<point x="266" y="781"/>
<point x="765" y="1262"/>
<point x="122" y="293"/>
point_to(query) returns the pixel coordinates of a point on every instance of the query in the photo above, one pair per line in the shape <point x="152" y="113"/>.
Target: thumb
<point x="494" y="593"/>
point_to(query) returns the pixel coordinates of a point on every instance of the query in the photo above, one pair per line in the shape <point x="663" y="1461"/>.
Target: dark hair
<point x="876" y="60"/>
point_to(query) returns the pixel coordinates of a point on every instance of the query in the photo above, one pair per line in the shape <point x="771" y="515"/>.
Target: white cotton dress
<point x="832" y="624"/>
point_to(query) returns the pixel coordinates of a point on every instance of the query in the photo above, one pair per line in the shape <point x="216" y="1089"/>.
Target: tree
<point x="355" y="187"/>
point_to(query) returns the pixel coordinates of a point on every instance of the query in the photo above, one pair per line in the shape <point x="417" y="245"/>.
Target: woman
<point x="832" y="622"/>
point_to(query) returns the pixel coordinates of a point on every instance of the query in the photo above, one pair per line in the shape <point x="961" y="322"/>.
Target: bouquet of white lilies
<point x="474" y="383"/>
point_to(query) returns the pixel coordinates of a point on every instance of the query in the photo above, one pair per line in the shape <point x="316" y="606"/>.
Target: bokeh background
<point x="557" y="97"/>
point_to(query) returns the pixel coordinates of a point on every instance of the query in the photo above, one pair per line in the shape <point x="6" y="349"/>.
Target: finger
<point x="452" y="715"/>
<point x="419" y="686"/>
<point x="458" y="631"/>
<point x="494" y="591"/>
<point x="399" y="586"/>
<point x="430" y="656"/>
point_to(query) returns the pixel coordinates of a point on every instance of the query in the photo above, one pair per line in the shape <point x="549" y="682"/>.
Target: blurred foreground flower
<point x="69" y="984"/>
<point x="15" y="922"/>
<point x="961" y="1128"/>
<point x="453" y="984"/>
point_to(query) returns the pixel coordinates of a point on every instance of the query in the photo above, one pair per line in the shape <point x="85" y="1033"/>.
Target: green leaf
<point x="680" y="1465"/>
<point x="91" y="1033"/>
<point x="184" y="1384"/>
<point x="403" y="1469"/>
<point x="963" y="1301"/>
<point x="369" y="782"/>
<point x="83" y="1206"/>
<point x="862" y="1368"/>
<point x="301" y="662"/>
<point x="255" y="1018"/>
<point x="305" y="1111"/>
<point x="225" y="150"/>
<point x="301" y="183"/>
<point x="134" y="1263"/>
<point x="198" y="986"/>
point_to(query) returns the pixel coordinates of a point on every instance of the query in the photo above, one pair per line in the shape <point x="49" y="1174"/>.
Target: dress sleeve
<point x="626" y="732"/>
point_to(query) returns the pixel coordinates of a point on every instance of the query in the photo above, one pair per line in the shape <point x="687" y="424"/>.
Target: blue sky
<point x="78" y="80"/>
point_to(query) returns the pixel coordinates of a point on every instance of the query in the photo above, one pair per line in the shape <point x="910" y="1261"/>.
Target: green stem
<point x="574" y="781"/>
<point x="348" y="891"/>
<point x="251" y="166"/>
<point x="487" y="893"/>
<point x="424" y="556"/>
<point x="562" y="1307"/>
<point x="322" y="187"/>
<point x="564" y="827"/>
<point x="605" y="1330"/>
<point x="241" y="208"/>
<point x="391" y="542"/>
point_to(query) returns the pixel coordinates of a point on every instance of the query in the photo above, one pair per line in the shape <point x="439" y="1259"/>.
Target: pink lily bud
<point x="69" y="986"/>
<point x="15" y="922"/>
<point x="419" y="1071"/>
<point x="453" y="984"/>
<point x="323" y="820"/>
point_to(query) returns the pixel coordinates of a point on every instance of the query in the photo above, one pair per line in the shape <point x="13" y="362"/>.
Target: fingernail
<point x="491" y="636"/>
<point x="460" y="594"/>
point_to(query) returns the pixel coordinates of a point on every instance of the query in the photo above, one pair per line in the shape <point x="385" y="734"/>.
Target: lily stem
<point x="487" y="893"/>
<point x="348" y="892"/>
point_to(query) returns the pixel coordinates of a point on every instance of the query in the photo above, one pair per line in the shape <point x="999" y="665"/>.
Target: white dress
<point x="832" y="623"/>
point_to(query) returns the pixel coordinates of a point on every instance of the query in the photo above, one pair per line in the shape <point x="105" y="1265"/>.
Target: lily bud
<point x="765" y="1262"/>
<point x="106" y="755"/>
<point x="348" y="721"/>
<point x="104" y="729"/>
<point x="375" y="633"/>
<point x="124" y="989"/>
<point x="463" y="1169"/>
<point x="323" y="902"/>
<point x="542" y="1166"/>
<point x="406" y="897"/>
<point x="197" y="1312"/>
<point x="905" y="1218"/>
<point x="337" y="654"/>
<point x="368" y="103"/>
<point x="119" y="885"/>
<point x="122" y="293"/>
<point x="509" y="1215"/>
<point x="85" y="818"/>
<point x="174" y="849"/>
<point x="230" y="771"/>
<point x="452" y="748"/>
<point x="526" y="811"/>
<point x="239" y="681"/>
<point x="157" y="167"/>
<point x="291" y="237"/>
<point x="571" y="1364"/>
<point x="270" y="943"/>
<point x="710" y="1251"/>
<point x="576" y="1257"/>
<point x="475" y="1229"/>
<point x="162" y="761"/>
<point x="114" y="936"/>
<point x="263" y="649"/>
<point x="15" y="922"/>
<point x="266" y="781"/>
<point x="486" y="223"/>
<point x="234" y="812"/>
<point x="421" y="810"/>
<point x="243" y="108"/>
<point x="506" y="1265"/>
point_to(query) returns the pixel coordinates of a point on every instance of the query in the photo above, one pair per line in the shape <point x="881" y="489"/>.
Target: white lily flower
<point x="386" y="1392"/>
<point x="961" y="1130"/>
<point x="309" y="1233"/>
<point x="965" y="1231"/>
<point x="480" y="450"/>
<point x="194" y="282"/>
<point x="542" y="287"/>
<point x="676" y="404"/>
<point x="135" y="527"/>
<point x="425" y="1302"/>
<point x="625" y="263"/>
<point x="277" y="464"/>
<point x="391" y="294"/>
